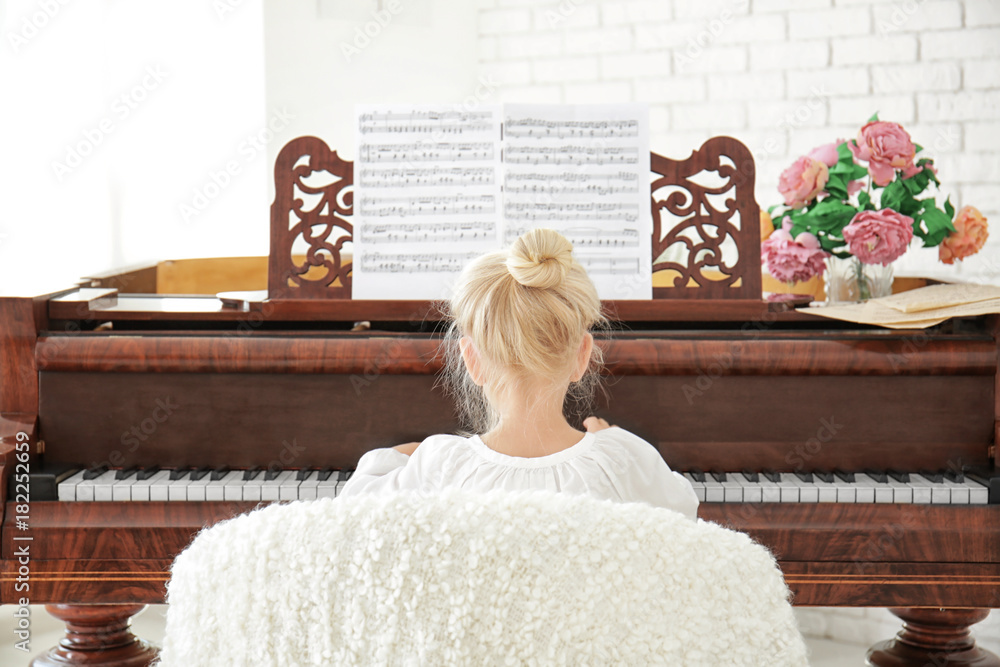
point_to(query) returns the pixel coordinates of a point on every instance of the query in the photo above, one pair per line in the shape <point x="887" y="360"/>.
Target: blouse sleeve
<point x="378" y="470"/>
<point x="652" y="480"/>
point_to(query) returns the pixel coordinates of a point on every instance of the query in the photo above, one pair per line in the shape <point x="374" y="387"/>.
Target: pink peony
<point x="968" y="238"/>
<point x="886" y="147"/>
<point x="792" y="260"/>
<point x="800" y="183"/>
<point x="854" y="187"/>
<point x="878" y="237"/>
<point x="827" y="153"/>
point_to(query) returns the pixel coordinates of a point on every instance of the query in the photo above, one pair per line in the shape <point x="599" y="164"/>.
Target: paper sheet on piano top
<point x="429" y="195"/>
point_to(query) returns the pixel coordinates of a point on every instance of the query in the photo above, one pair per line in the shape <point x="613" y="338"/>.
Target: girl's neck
<point x="530" y="427"/>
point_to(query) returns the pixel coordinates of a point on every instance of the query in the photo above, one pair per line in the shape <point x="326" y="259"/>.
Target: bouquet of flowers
<point x="863" y="199"/>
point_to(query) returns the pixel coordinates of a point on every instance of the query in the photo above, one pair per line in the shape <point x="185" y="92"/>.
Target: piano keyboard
<point x="207" y="484"/>
<point x="201" y="484"/>
<point x="927" y="488"/>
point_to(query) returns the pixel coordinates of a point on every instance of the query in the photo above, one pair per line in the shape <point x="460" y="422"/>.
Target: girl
<point x="519" y="345"/>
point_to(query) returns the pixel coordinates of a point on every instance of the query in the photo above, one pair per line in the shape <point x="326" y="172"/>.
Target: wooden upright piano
<point x="863" y="458"/>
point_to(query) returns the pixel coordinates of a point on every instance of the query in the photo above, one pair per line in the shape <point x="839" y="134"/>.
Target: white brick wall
<point x="783" y="76"/>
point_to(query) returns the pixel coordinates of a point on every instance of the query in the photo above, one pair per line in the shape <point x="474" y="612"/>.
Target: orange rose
<point x="968" y="238"/>
<point x="766" y="225"/>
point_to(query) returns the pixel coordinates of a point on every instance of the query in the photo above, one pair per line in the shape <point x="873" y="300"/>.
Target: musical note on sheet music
<point x="403" y="263"/>
<point x="561" y="129"/>
<point x="425" y="122"/>
<point x="587" y="237"/>
<point x="404" y="207"/>
<point x="426" y="176"/>
<point x="422" y="151"/>
<point x="434" y="232"/>
<point x="578" y="155"/>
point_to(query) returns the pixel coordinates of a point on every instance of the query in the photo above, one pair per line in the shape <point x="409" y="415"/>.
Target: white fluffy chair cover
<point x="486" y="579"/>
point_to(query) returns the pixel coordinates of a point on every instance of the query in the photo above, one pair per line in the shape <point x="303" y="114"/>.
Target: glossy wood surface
<point x="97" y="636"/>
<point x="652" y="353"/>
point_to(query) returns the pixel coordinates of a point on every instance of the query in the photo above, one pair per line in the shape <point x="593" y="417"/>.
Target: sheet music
<point x="427" y="197"/>
<point x="584" y="171"/>
<point x="436" y="186"/>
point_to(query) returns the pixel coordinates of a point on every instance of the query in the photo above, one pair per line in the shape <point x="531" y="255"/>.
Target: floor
<point x="46" y="632"/>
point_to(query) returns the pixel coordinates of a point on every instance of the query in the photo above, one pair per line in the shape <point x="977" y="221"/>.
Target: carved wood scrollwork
<point x="313" y="201"/>
<point x="705" y="236"/>
<point x="706" y="223"/>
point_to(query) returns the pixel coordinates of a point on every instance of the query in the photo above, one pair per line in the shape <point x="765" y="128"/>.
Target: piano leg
<point x="933" y="637"/>
<point x="97" y="635"/>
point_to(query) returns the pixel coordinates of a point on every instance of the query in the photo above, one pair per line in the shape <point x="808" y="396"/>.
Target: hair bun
<point x="540" y="258"/>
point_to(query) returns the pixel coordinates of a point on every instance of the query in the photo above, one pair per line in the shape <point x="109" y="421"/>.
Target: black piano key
<point x="719" y="477"/>
<point x="199" y="472"/>
<point x="344" y="475"/>
<point x="878" y="475"/>
<point x="824" y="476"/>
<point x="324" y="474"/>
<point x="899" y="476"/>
<point x="95" y="472"/>
<point x="956" y="476"/>
<point x="698" y="475"/>
<point x="272" y="473"/>
<point x="804" y="476"/>
<point x="43" y="481"/>
<point x="146" y="473"/>
<point x="125" y="473"/>
<point x="932" y="476"/>
<point x="303" y="474"/>
<point x="844" y="475"/>
<point x="219" y="473"/>
<point x="251" y="473"/>
<point x="772" y="476"/>
<point x="178" y="473"/>
<point x="751" y="475"/>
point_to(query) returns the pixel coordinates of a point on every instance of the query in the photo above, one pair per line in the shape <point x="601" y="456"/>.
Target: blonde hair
<point x="526" y="310"/>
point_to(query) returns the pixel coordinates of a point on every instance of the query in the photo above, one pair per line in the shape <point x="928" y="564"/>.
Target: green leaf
<point x="918" y="147"/>
<point x="874" y="117"/>
<point x="865" y="200"/>
<point x="949" y="209"/>
<point x="844" y="153"/>
<point x="931" y="224"/>
<point x="893" y="195"/>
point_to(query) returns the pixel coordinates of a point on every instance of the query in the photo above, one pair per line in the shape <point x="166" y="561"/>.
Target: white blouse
<point x="610" y="464"/>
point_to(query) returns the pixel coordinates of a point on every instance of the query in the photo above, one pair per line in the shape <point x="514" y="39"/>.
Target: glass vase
<point x="851" y="280"/>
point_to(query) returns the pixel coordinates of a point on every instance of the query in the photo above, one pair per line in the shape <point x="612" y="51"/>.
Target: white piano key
<point x="714" y="493"/>
<point x="85" y="490"/>
<point x="752" y="492"/>
<point x="864" y="489"/>
<point x="289" y="488"/>
<point x="160" y="488"/>
<point x="328" y="487"/>
<point x="103" y="486"/>
<point x="177" y="489"/>
<point x="343" y="477"/>
<point x="921" y="491"/>
<point x="271" y="488"/>
<point x="959" y="492"/>
<point x="252" y="488"/>
<point x="732" y="490"/>
<point x="884" y="492"/>
<point x="216" y="489"/>
<point x="978" y="494"/>
<point x="121" y="490"/>
<point x="308" y="486"/>
<point x="847" y="492"/>
<point x="67" y="487"/>
<point x="141" y="488"/>
<point x="940" y="494"/>
<point x="827" y="490"/>
<point x="788" y="488"/>
<point x="196" y="488"/>
<point x="699" y="487"/>
<point x="808" y="491"/>
<point x="902" y="492"/>
<point x="770" y="492"/>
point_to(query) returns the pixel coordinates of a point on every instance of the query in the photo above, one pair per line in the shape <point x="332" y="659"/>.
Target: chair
<point x="476" y="579"/>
